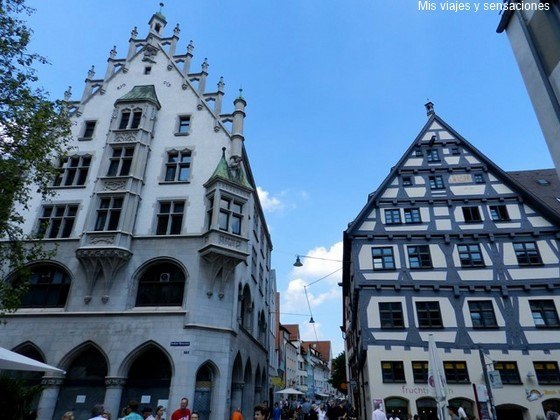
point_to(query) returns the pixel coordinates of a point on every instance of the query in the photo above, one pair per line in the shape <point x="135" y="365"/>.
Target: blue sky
<point x="335" y="93"/>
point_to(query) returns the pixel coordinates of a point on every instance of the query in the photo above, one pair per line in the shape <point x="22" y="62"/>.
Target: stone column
<point x="49" y="396"/>
<point x="113" y="394"/>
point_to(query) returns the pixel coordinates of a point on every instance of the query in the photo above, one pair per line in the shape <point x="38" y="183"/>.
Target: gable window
<point x="391" y="315"/>
<point x="392" y="372"/>
<point x="392" y="216"/>
<point x="542" y="181"/>
<point x="178" y="166"/>
<point x="184" y="124"/>
<point x="147" y="70"/>
<point x="407" y="181"/>
<point x="419" y="256"/>
<point x="455" y="151"/>
<point x="121" y="161"/>
<point x="57" y="221"/>
<point x="109" y="213"/>
<point x="433" y="155"/>
<point x="412" y="215"/>
<point x="478" y="178"/>
<point x="471" y="214"/>
<point x="48" y="287"/>
<point x="527" y="253"/>
<point x="544" y="313"/>
<point x="482" y="314"/>
<point x="436" y="182"/>
<point x="418" y="153"/>
<point x="547" y="373"/>
<point x="89" y="127"/>
<point x="499" y="213"/>
<point x="470" y="255"/>
<point x="509" y="373"/>
<point x="429" y="315"/>
<point x="161" y="284"/>
<point x="420" y="372"/>
<point x="456" y="372"/>
<point x="383" y="258"/>
<point x="73" y="171"/>
<point x="230" y="216"/>
<point x="170" y="217"/>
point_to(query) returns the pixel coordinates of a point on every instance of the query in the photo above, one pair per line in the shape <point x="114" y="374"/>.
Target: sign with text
<point x="180" y="343"/>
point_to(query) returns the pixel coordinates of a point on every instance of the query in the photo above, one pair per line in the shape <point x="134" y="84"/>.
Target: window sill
<point x="472" y="267"/>
<point x="66" y="187"/>
<point x="173" y="182"/>
<point x="85" y="138"/>
<point x="394" y="382"/>
<point x="384" y="269"/>
<point x="531" y="265"/>
<point x="421" y="268"/>
<point x="182" y="134"/>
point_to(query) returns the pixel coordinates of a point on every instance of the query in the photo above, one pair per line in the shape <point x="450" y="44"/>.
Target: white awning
<point x="10" y="360"/>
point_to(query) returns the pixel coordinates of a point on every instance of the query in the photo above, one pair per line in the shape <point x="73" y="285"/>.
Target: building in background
<point x="451" y="245"/>
<point x="161" y="286"/>
<point x="534" y="34"/>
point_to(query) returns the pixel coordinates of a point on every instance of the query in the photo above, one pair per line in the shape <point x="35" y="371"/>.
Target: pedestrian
<point x="276" y="412"/>
<point x="195" y="415"/>
<point x="106" y="415"/>
<point x="461" y="412"/>
<point x="237" y="415"/>
<point x="159" y="412"/>
<point x="96" y="412"/>
<point x="378" y="413"/>
<point x="550" y="413"/>
<point x="260" y="412"/>
<point x="147" y="413"/>
<point x="69" y="415"/>
<point x="182" y="413"/>
<point x="133" y="411"/>
<point x="452" y="413"/>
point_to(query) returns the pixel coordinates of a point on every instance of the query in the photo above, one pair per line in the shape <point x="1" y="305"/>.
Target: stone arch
<point x="31" y="350"/>
<point x="160" y="281"/>
<point x="86" y="368"/>
<point x="398" y="405"/>
<point x="246" y="310"/>
<point x="237" y="382"/>
<point x="248" y="388"/>
<point x="262" y="328"/>
<point x="148" y="370"/>
<point x="205" y="381"/>
<point x="514" y="411"/>
<point x="468" y="405"/>
<point x="258" y="386"/>
<point x="554" y="404"/>
<point x="426" y="407"/>
<point x="29" y="378"/>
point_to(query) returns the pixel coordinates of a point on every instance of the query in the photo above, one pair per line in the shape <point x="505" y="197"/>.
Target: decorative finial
<point x="205" y="65"/>
<point x="223" y="152"/>
<point x="113" y="52"/>
<point x="134" y="32"/>
<point x="68" y="94"/>
<point x="190" y="47"/>
<point x="221" y="84"/>
<point x="240" y="93"/>
<point x="161" y="7"/>
<point x="429" y="108"/>
<point x="176" y="31"/>
<point x="91" y="72"/>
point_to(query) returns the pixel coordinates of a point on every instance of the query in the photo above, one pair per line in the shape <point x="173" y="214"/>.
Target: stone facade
<point x="161" y="286"/>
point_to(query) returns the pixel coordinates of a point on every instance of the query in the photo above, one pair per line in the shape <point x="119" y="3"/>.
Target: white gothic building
<point x="161" y="284"/>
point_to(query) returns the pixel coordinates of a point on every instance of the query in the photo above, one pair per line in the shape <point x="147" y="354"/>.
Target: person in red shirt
<point x="182" y="413"/>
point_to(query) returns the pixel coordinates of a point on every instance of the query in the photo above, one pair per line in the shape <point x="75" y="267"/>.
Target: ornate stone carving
<point x="114" y="382"/>
<point x="124" y="138"/>
<point x="114" y="185"/>
<point x="102" y="240"/>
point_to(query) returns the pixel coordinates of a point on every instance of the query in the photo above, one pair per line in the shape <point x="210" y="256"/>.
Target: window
<point x="509" y="373"/>
<point x="436" y="182"/>
<point x="230" y="216"/>
<point x="254" y="264"/>
<point x="542" y="181"/>
<point x="109" y="213"/>
<point x="73" y="171"/>
<point x="418" y="153"/>
<point x="89" y="128"/>
<point x="407" y="181"/>
<point x="456" y="372"/>
<point x="547" y="373"/>
<point x="420" y="372"/>
<point x="392" y="216"/>
<point x="125" y="117"/>
<point x="429" y="315"/>
<point x="527" y="253"/>
<point x="482" y="314"/>
<point x="170" y="217"/>
<point x="136" y="118"/>
<point x="392" y="372"/>
<point x="134" y="122"/>
<point x="178" y="167"/>
<point x="162" y="284"/>
<point x="57" y="221"/>
<point x="471" y="214"/>
<point x="419" y="256"/>
<point x="391" y="315"/>
<point x="455" y="151"/>
<point x="121" y="161"/>
<point x="412" y="215"/>
<point x="544" y="313"/>
<point x="499" y="213"/>
<point x="147" y="70"/>
<point x="433" y="155"/>
<point x="48" y="287"/>
<point x="383" y="258"/>
<point x="478" y="178"/>
<point x="470" y="255"/>
<point x="184" y="124"/>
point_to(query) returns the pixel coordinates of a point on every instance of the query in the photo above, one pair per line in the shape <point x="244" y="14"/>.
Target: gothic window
<point x="89" y="128"/>
<point x="412" y="215"/>
<point x="547" y="372"/>
<point x="125" y="117"/>
<point x="73" y="171"/>
<point x="57" y="221"/>
<point x="254" y="264"/>
<point x="383" y="258"/>
<point x="456" y="372"/>
<point x="436" y="182"/>
<point x="499" y="213"/>
<point x="419" y="256"/>
<point x="161" y="284"/>
<point x="544" y="313"/>
<point x="246" y="308"/>
<point x="471" y="214"/>
<point x="130" y="119"/>
<point x="527" y="253"/>
<point x="429" y="315"/>
<point x="392" y="372"/>
<point x="420" y="372"/>
<point x="48" y="287"/>
<point x="170" y="217"/>
<point x="109" y="213"/>
<point x="184" y="125"/>
<point x="178" y="166"/>
<point x="392" y="216"/>
<point x="391" y="315"/>
<point x="470" y="255"/>
<point x="509" y="373"/>
<point x="121" y="161"/>
<point x="482" y="314"/>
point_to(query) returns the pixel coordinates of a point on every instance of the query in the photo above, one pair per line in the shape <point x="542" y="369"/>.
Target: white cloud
<point x="321" y="262"/>
<point x="269" y="203"/>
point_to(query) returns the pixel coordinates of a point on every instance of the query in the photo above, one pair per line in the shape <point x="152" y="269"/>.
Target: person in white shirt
<point x="378" y="413"/>
<point x="461" y="413"/>
<point x="96" y="412"/>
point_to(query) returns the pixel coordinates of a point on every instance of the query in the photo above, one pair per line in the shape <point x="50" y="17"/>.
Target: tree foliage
<point x="33" y="132"/>
<point x="338" y="373"/>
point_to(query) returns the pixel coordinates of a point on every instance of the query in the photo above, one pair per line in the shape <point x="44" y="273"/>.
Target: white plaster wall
<point x="443" y="225"/>
<point x="415" y="191"/>
<point x="441" y="211"/>
<point x="476" y="274"/>
<point x="390" y="193"/>
<point x="539" y="222"/>
<point x="533" y="273"/>
<point x="428" y="275"/>
<point x="472" y="160"/>
<point x="413" y="162"/>
<point x="501" y="189"/>
<point x="368" y="226"/>
<point x="468" y="189"/>
<point x="452" y="160"/>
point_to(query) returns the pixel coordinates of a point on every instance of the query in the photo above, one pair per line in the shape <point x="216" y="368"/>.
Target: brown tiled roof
<point x="322" y="347"/>
<point x="542" y="184"/>
<point x="293" y="329"/>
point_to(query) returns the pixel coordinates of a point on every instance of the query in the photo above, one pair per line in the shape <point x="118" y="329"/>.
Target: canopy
<point x="10" y="360"/>
<point x="289" y="391"/>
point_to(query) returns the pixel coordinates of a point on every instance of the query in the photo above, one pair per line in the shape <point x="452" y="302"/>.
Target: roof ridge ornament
<point x="429" y="108"/>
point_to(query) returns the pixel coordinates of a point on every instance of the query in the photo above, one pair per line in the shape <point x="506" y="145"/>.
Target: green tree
<point x="33" y="133"/>
<point x="338" y="373"/>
